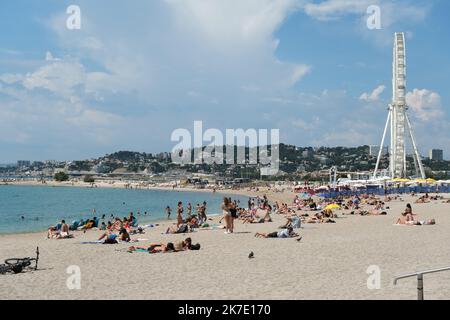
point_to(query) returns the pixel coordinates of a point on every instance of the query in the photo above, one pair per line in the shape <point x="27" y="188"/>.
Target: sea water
<point x="44" y="206"/>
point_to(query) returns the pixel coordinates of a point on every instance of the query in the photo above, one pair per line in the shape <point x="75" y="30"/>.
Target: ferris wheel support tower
<point x="398" y="121"/>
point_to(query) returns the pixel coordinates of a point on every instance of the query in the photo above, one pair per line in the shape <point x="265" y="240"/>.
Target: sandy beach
<point x="329" y="263"/>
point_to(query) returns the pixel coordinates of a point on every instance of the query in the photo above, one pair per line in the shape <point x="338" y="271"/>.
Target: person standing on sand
<point x="168" y="212"/>
<point x="189" y="209"/>
<point x="226" y="214"/>
<point x="180" y="214"/>
<point x="233" y="214"/>
<point x="202" y="213"/>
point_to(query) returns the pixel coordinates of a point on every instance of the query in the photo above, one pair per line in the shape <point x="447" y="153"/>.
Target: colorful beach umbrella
<point x="332" y="206"/>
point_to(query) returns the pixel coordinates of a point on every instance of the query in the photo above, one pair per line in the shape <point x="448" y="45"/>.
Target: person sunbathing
<point x="61" y="231"/>
<point x="319" y="218"/>
<point x="183" y="245"/>
<point x="376" y="212"/>
<point x="422" y="200"/>
<point x="118" y="224"/>
<point x="292" y="222"/>
<point x="183" y="228"/>
<point x="89" y="225"/>
<point x="408" y="220"/>
<point x="373" y="212"/>
<point x="286" y="233"/>
<point x="155" y="248"/>
<point x="138" y="230"/>
<point x="258" y="219"/>
<point x="110" y="238"/>
<point x="193" y="222"/>
<point x="124" y="235"/>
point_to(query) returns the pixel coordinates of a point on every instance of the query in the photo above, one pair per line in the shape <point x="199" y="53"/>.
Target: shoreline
<point x="122" y="185"/>
<point x="159" y="221"/>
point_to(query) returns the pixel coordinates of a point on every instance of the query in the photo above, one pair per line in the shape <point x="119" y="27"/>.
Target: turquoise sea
<point x="45" y="206"/>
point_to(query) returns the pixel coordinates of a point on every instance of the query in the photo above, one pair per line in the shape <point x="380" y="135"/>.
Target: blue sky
<point x="137" y="70"/>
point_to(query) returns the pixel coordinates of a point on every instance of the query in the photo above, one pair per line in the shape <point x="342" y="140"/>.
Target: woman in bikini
<point x="180" y="214"/>
<point x="226" y="206"/>
<point x="155" y="248"/>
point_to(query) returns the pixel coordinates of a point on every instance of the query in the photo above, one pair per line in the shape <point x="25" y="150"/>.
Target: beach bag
<point x="195" y="246"/>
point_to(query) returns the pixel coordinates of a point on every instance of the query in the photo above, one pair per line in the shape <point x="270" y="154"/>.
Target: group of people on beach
<point x="258" y="210"/>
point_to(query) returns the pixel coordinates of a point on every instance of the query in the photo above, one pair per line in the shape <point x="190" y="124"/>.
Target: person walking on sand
<point x="226" y="214"/>
<point x="180" y="214"/>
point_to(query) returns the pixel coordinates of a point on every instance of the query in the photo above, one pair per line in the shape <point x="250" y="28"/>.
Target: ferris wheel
<point x="398" y="121"/>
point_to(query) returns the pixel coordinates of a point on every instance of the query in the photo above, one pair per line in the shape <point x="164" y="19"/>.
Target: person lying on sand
<point x="89" y="225"/>
<point x="155" y="248"/>
<point x="186" y="245"/>
<point x="183" y="228"/>
<point x="422" y="200"/>
<point x="286" y="233"/>
<point x="193" y="221"/>
<point x="258" y="219"/>
<point x="407" y="222"/>
<point x="319" y="218"/>
<point x="373" y="212"/>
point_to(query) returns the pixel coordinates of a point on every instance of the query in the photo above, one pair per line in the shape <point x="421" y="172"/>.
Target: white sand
<point x="329" y="263"/>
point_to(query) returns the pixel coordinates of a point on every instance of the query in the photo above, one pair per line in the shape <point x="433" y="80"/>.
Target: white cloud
<point x="298" y="73"/>
<point x="394" y="14"/>
<point x="9" y="78"/>
<point x="60" y="77"/>
<point x="49" y="57"/>
<point x="425" y="104"/>
<point x="374" y="95"/>
<point x="391" y="11"/>
<point x="335" y="9"/>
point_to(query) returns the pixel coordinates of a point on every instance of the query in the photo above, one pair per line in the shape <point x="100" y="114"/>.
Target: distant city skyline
<point x="373" y="151"/>
<point x="137" y="71"/>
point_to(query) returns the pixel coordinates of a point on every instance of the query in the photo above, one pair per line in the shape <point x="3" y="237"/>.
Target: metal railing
<point x="419" y="276"/>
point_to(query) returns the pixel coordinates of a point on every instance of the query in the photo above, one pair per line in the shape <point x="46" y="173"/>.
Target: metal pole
<point x="416" y="151"/>
<point x="420" y="286"/>
<point x="392" y="149"/>
<point x="381" y="146"/>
